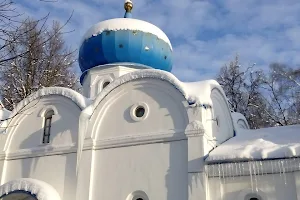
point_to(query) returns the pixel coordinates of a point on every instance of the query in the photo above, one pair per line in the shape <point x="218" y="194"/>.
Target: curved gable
<point x="74" y="96"/>
<point x="141" y="74"/>
<point x="164" y="110"/>
<point x="27" y="127"/>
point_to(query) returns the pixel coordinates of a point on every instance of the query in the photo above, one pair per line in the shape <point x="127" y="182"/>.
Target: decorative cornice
<point x="40" y="151"/>
<point x="194" y="129"/>
<point x="90" y="144"/>
<point x="139" y="140"/>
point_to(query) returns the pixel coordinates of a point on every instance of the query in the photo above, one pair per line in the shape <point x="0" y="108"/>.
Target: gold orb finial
<point x="128" y="5"/>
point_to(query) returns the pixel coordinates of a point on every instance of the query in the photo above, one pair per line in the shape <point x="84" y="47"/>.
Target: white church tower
<point x="137" y="133"/>
<point x="146" y="134"/>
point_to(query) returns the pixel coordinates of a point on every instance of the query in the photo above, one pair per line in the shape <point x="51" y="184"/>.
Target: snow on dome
<point x="266" y="143"/>
<point x="126" y="24"/>
<point x="125" y="40"/>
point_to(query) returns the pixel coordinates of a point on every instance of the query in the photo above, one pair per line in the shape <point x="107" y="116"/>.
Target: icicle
<point x="219" y="169"/>
<point x="272" y="169"/>
<point x="261" y="167"/>
<point x="250" y="172"/>
<point x="240" y="169"/>
<point x="223" y="175"/>
<point x="279" y="165"/>
<point x="255" y="174"/>
<point x="283" y="171"/>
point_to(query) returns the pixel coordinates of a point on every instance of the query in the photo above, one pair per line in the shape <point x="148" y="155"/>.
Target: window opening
<point x="139" y="112"/>
<point x="105" y="84"/>
<point x="47" y="126"/>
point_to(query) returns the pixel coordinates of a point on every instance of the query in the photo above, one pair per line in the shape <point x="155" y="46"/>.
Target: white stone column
<point x="196" y="176"/>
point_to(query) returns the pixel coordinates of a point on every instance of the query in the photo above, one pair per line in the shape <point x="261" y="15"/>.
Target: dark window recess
<point x="139" y="111"/>
<point x="105" y="84"/>
<point x="47" y="126"/>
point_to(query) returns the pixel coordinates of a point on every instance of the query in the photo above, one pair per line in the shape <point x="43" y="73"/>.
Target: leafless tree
<point x="270" y="98"/>
<point x="11" y="24"/>
<point x="45" y="62"/>
<point x="282" y="89"/>
<point x="242" y="88"/>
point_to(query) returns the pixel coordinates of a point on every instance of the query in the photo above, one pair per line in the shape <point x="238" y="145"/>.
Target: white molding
<point x="250" y="193"/>
<point x="89" y="144"/>
<point x="40" y="189"/>
<point x="133" y="110"/>
<point x="46" y="109"/>
<point x="45" y="150"/>
<point x="138" y="140"/>
<point x="137" y="195"/>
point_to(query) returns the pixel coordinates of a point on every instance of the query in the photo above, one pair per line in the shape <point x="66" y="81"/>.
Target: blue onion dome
<point x="125" y="40"/>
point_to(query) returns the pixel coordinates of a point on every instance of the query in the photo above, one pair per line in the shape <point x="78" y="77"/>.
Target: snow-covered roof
<point x="77" y="98"/>
<point x="4" y="114"/>
<point x="126" y="24"/>
<point x="266" y="143"/>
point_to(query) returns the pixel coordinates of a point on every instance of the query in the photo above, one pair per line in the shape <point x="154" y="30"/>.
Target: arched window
<point x="137" y="195"/>
<point x="106" y="83"/>
<point x="253" y="197"/>
<point x="47" y="126"/>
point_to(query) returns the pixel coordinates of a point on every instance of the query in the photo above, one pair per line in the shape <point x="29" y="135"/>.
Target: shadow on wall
<point x="35" y="164"/>
<point x="176" y="182"/>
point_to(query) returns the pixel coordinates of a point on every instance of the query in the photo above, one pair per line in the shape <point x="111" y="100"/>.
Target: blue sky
<point x="205" y="34"/>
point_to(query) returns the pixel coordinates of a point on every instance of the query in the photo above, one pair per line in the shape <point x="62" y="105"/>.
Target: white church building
<point x="138" y="133"/>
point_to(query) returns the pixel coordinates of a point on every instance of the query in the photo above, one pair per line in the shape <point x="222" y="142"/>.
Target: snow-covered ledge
<point x="39" y="189"/>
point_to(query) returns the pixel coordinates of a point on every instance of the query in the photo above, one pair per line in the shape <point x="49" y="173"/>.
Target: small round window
<point x="106" y="83"/>
<point x="253" y="197"/>
<point x="139" y="111"/>
<point x="137" y="195"/>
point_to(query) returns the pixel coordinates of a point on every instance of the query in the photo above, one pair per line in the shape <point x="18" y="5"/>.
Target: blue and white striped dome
<point x="125" y="40"/>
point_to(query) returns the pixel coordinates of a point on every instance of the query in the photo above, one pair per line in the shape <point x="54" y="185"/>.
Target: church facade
<point x="138" y="133"/>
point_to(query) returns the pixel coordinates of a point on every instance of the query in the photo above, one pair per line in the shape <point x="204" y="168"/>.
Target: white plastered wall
<point x="96" y="77"/>
<point x="267" y="186"/>
<point x="217" y="121"/>
<point x="148" y="155"/>
<point x="53" y="163"/>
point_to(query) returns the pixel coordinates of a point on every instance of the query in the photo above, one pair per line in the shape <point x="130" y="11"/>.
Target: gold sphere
<point x="128" y="6"/>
